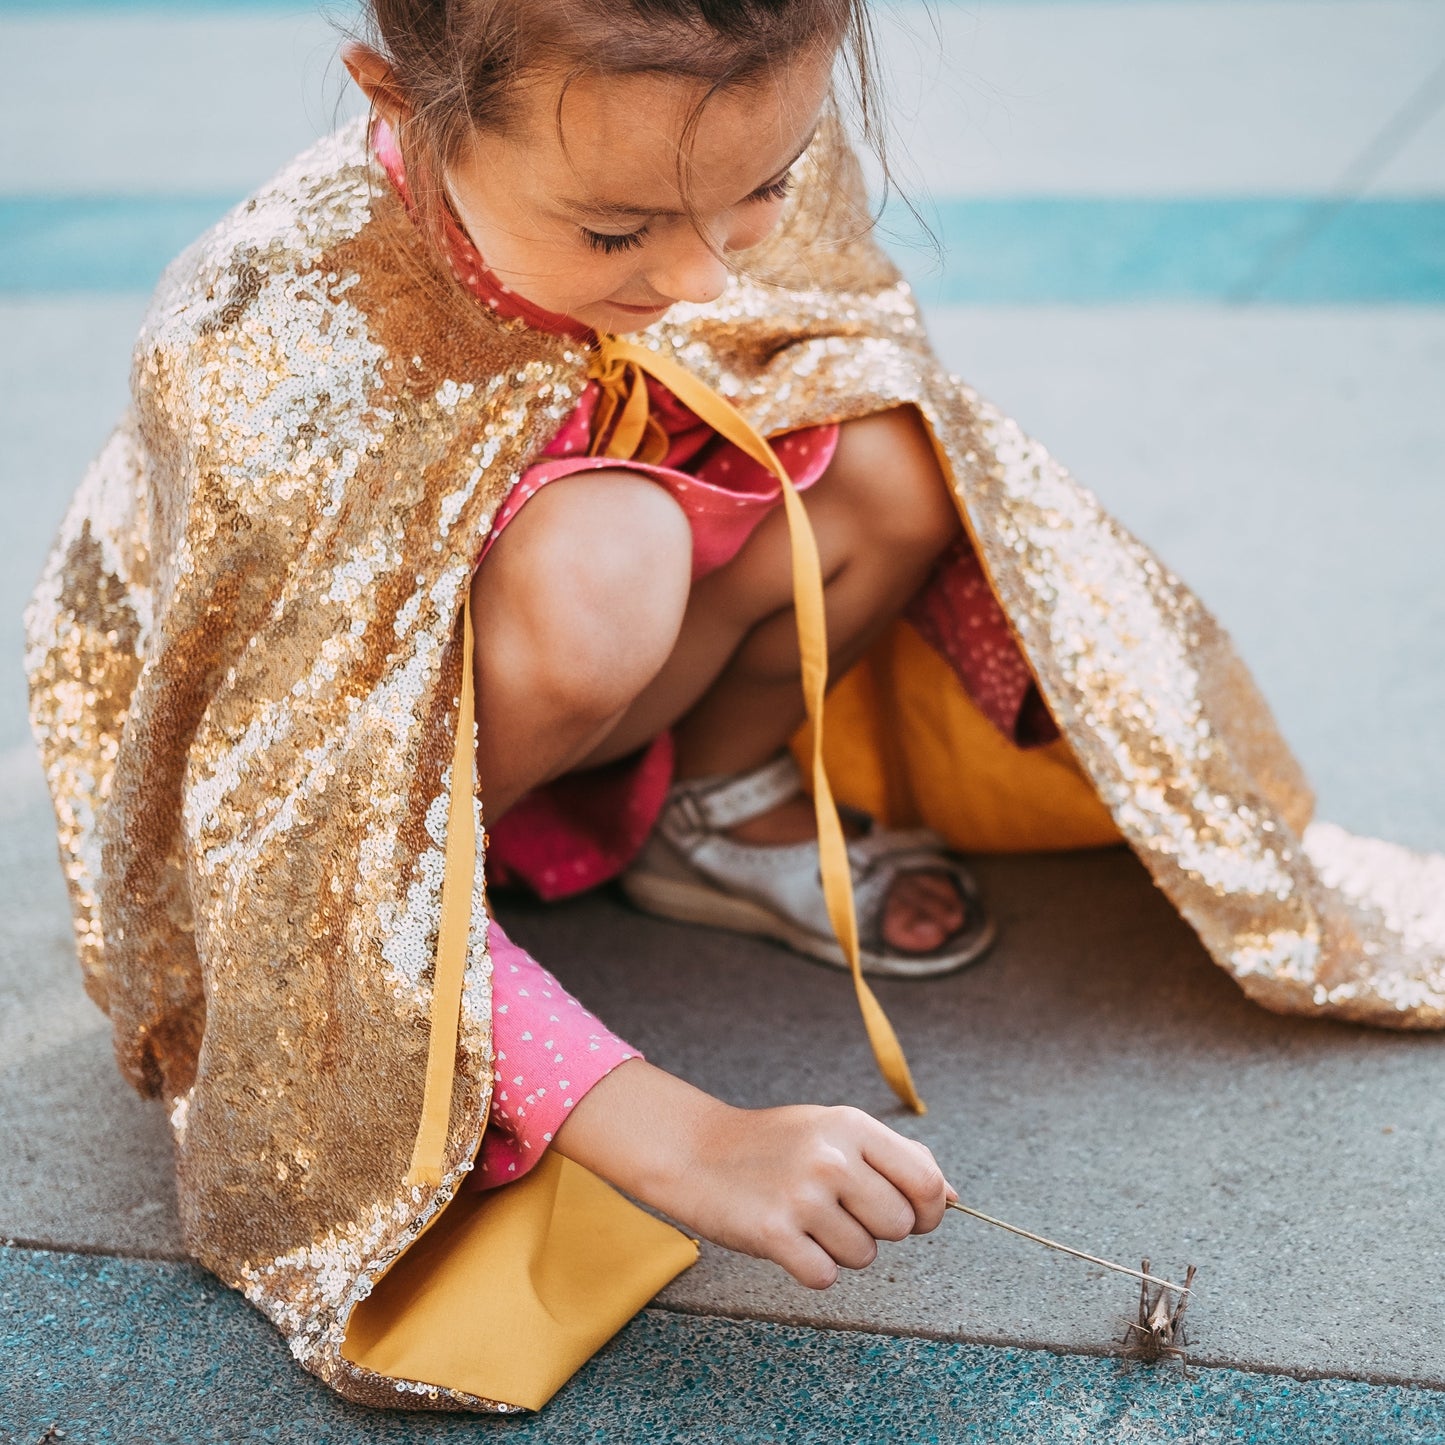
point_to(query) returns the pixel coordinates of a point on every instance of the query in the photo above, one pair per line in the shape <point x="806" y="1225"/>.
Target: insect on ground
<point x="1159" y="1330"/>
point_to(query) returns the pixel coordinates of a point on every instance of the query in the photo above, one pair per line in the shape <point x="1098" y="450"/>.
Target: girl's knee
<point x="586" y="589"/>
<point x="893" y="482"/>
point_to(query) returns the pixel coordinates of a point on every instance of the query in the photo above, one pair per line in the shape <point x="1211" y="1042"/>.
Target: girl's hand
<point x="808" y="1187"/>
<point x="813" y="1189"/>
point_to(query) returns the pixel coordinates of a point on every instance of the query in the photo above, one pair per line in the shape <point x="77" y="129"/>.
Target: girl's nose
<point x="691" y="270"/>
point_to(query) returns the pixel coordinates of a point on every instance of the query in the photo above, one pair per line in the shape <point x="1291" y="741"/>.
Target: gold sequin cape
<point x="245" y="664"/>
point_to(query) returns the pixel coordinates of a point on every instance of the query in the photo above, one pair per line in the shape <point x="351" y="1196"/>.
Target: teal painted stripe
<point x="114" y="1351"/>
<point x="97" y="243"/>
<point x="1033" y="251"/>
<point x="1109" y="251"/>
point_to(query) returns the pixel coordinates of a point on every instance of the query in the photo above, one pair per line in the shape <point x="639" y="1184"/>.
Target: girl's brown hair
<point x="456" y="63"/>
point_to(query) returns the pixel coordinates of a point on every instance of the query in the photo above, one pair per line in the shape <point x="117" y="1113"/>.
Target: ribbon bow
<point x="624" y="428"/>
<point x="623" y="425"/>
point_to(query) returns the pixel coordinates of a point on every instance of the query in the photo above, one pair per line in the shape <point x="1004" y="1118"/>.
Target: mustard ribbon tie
<point x="428" y="1154"/>
<point x="624" y="429"/>
<point x="623" y="425"/>
<point x="614" y="358"/>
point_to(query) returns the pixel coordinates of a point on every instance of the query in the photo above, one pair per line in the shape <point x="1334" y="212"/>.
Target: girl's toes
<point x="923" y="910"/>
<point x="939" y="894"/>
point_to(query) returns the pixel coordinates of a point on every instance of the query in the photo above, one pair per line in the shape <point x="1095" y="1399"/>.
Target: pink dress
<point x="583" y="829"/>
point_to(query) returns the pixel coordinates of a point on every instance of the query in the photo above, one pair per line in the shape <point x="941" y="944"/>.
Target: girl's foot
<point x="922" y="909"/>
<point x="740" y="852"/>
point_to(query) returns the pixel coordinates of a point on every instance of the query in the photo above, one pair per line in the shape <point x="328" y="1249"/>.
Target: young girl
<point x="541" y="447"/>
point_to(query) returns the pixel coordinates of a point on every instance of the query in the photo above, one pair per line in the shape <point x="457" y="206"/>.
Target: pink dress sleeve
<point x="549" y="1052"/>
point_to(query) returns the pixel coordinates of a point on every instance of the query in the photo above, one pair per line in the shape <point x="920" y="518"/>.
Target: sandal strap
<point x="895" y="846"/>
<point x="784" y="878"/>
<point x="711" y="805"/>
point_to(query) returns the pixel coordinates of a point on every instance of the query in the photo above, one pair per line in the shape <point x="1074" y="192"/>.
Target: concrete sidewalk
<point x="1096" y="1079"/>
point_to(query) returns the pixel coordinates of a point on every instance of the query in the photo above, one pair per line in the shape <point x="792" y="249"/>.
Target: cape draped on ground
<point x="245" y="666"/>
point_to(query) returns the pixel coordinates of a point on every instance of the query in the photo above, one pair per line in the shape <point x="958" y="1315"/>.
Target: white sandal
<point x="692" y="872"/>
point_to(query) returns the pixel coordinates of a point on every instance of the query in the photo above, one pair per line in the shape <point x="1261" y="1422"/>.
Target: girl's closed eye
<point x="609" y="243"/>
<point x="774" y="190"/>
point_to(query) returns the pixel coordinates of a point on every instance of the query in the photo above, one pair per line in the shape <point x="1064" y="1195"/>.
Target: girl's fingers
<point x="808" y="1262"/>
<point x="844" y="1240"/>
<point x="911" y="1168"/>
<point x="878" y="1206"/>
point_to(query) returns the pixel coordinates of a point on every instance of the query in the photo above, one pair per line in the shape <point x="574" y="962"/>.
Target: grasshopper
<point x="1160" y="1328"/>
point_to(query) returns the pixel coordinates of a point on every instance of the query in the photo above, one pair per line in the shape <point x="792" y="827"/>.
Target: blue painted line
<point x="1034" y="251"/>
<point x="1111" y="251"/>
<point x="115" y="1351"/>
<point x="97" y="243"/>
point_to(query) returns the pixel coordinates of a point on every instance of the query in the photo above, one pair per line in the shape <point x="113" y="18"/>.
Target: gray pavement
<point x="123" y="1352"/>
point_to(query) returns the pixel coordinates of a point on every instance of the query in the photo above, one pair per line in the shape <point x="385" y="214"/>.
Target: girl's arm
<point x="809" y="1187"/>
<point x="549" y="1052"/>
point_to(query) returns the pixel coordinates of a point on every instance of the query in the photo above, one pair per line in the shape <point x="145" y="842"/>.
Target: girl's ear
<point x="377" y="81"/>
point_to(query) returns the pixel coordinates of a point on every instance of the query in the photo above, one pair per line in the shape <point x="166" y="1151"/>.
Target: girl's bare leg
<point x="730" y="688"/>
<point x="567" y="638"/>
<point x="882" y="515"/>
<point x="593" y="644"/>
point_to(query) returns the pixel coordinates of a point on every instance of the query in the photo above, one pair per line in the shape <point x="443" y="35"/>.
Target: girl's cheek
<point x="571" y="268"/>
<point x="755" y="226"/>
<point x="602" y="275"/>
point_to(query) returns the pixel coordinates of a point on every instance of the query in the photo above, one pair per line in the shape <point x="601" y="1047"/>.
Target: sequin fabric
<point x="245" y="666"/>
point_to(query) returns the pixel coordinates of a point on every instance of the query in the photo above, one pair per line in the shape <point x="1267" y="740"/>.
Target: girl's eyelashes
<point x="609" y="244"/>
<point x="776" y="191"/>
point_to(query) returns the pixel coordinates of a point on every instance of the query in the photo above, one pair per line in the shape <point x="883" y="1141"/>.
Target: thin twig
<point x="1077" y="1253"/>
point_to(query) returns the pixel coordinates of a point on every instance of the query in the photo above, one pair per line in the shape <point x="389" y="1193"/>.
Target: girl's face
<point x="582" y="211"/>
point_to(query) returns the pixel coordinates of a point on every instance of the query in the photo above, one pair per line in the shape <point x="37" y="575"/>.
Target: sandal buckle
<point x="685" y="813"/>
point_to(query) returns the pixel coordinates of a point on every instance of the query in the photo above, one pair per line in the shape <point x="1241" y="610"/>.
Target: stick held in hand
<point x="1182" y="1289"/>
